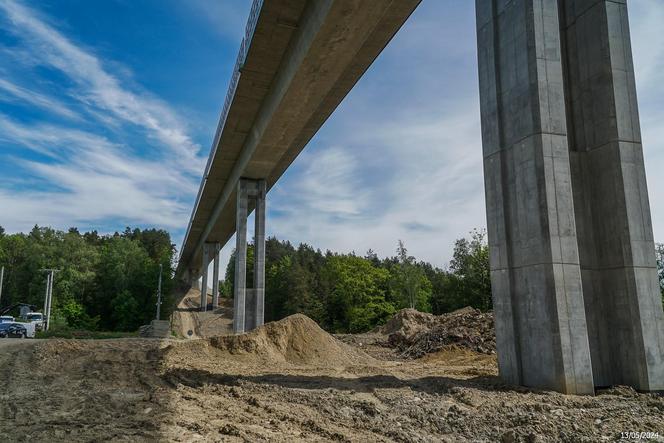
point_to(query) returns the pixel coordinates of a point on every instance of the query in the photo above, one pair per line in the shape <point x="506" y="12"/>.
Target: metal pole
<point x="48" y="286"/>
<point x="49" y="295"/>
<point x="50" y="300"/>
<point x="2" y="278"/>
<point x="159" y="293"/>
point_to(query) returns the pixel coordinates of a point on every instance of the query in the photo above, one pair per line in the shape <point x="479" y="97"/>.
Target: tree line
<point x="352" y="293"/>
<point x="108" y="282"/>
<point x="104" y="282"/>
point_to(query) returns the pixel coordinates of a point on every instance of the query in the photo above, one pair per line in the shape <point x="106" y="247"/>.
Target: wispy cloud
<point x="97" y="86"/>
<point x="419" y="180"/>
<point x="120" y="156"/>
<point x="91" y="179"/>
<point x="27" y="96"/>
<point x="400" y="159"/>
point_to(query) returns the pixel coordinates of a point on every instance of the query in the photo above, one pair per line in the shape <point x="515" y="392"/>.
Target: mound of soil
<point x="416" y="334"/>
<point x="294" y="340"/>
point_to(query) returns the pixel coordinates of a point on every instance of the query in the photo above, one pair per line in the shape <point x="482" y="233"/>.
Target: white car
<point x="7" y="319"/>
<point x="36" y="318"/>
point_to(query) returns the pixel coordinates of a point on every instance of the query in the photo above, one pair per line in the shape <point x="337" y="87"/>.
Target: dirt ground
<point x="289" y="381"/>
<point x="188" y="322"/>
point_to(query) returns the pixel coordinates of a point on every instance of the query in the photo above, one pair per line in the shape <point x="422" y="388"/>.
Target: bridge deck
<point x="297" y="62"/>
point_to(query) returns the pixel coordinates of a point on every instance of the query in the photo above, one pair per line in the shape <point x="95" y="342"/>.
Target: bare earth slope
<point x="287" y="381"/>
<point x="188" y="322"/>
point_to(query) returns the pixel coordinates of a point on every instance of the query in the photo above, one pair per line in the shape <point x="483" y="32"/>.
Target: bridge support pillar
<point x="616" y="243"/>
<point x="258" y="305"/>
<point x="248" y="312"/>
<point x="204" y="276"/>
<point x="572" y="252"/>
<point x="215" y="276"/>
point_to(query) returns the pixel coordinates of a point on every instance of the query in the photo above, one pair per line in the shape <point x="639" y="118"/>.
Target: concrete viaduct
<point x="573" y="271"/>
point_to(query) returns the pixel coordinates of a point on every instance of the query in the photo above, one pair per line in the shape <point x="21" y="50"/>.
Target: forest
<point x="352" y="293"/>
<point x="103" y="282"/>
<point x="109" y="282"/>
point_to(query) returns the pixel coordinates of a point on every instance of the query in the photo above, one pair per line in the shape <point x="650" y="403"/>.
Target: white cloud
<point x="427" y="189"/>
<point x="90" y="179"/>
<point x="646" y="18"/>
<point x="90" y="172"/>
<point x="28" y="96"/>
<point x="408" y="143"/>
<point x="400" y="159"/>
<point x="100" y="88"/>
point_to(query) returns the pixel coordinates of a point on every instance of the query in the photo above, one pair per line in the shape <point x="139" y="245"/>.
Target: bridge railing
<point x="230" y="95"/>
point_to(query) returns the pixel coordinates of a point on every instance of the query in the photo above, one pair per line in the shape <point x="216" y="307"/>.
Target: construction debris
<point x="415" y="334"/>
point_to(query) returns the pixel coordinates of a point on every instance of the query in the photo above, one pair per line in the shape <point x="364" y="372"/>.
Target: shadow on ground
<point x="196" y="378"/>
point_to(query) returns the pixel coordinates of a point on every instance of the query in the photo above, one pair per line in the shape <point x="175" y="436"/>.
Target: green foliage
<point x="375" y="312"/>
<point x="73" y="314"/>
<point x="347" y="293"/>
<point x="103" y="282"/>
<point x="409" y="285"/>
<point x="354" y="284"/>
<point x="468" y="283"/>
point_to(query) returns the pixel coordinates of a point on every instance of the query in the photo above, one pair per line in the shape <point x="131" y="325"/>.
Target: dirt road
<point x="188" y="322"/>
<point x="288" y="381"/>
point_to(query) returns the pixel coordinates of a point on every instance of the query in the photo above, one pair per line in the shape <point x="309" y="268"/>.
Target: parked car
<point x="4" y="329"/>
<point x="7" y="319"/>
<point x="17" y="330"/>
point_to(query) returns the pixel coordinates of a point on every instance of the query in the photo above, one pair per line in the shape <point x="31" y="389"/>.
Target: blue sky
<point x="108" y="109"/>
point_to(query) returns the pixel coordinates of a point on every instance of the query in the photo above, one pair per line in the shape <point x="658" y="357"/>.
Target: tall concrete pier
<point x="210" y="254"/>
<point x="572" y="253"/>
<point x="248" y="304"/>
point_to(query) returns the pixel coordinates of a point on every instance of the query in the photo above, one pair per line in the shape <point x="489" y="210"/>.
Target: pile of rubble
<point x="415" y="334"/>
